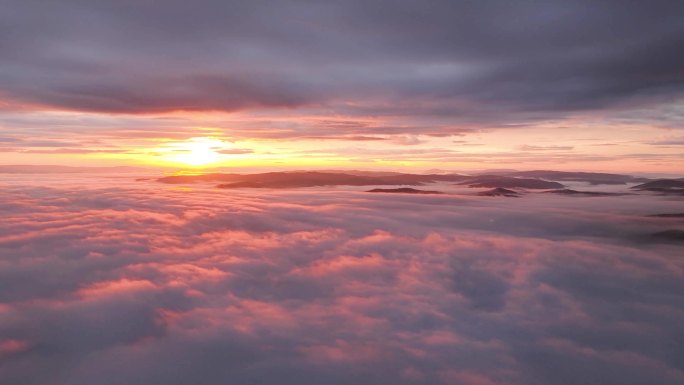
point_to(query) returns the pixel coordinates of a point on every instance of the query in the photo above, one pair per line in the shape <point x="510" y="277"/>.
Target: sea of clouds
<point x="110" y="281"/>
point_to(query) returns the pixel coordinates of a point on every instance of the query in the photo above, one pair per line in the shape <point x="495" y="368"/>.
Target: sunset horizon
<point x="358" y="192"/>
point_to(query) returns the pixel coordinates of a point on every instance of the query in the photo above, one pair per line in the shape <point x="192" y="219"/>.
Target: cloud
<point x="235" y="151"/>
<point x="356" y="138"/>
<point x="64" y="151"/>
<point x="149" y="284"/>
<point x="527" y="147"/>
<point x="471" y="63"/>
<point x="669" y="142"/>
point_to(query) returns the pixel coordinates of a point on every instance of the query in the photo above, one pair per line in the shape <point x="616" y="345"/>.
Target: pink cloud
<point x="333" y="287"/>
<point x="13" y="346"/>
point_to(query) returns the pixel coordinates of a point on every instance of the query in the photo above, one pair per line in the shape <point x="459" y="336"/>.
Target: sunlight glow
<point x="195" y="151"/>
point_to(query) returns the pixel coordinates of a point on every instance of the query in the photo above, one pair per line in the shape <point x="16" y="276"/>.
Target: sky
<point x="393" y="85"/>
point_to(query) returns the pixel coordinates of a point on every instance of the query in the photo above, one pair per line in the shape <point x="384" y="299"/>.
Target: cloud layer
<point x="461" y="60"/>
<point x="154" y="284"/>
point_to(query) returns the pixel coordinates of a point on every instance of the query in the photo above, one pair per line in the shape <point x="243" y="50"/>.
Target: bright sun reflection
<point x="195" y="151"/>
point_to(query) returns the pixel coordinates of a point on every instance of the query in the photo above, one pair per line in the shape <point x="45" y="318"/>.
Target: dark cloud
<point x="103" y="283"/>
<point x="468" y="62"/>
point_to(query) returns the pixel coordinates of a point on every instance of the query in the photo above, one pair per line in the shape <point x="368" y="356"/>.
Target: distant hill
<point x="499" y="192"/>
<point x="539" y="180"/>
<point x="582" y="193"/>
<point x="510" y="182"/>
<point x="663" y="186"/>
<point x="589" y="177"/>
<point x="660" y="184"/>
<point x="304" y="179"/>
<point x="296" y="179"/>
<point x="403" y="190"/>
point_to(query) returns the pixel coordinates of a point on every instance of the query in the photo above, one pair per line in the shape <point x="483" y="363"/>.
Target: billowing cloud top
<point x="459" y="59"/>
<point x="106" y="283"/>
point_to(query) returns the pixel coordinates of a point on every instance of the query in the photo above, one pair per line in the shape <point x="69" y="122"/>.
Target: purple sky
<point x="366" y="84"/>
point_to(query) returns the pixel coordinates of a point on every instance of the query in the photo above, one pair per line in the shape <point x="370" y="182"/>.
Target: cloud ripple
<point x="151" y="284"/>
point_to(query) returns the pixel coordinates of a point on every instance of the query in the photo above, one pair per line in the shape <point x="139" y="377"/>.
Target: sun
<point x="196" y="151"/>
